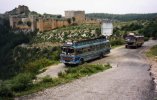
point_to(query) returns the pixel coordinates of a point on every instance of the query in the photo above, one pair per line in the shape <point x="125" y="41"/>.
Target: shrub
<point x="55" y="55"/>
<point x="5" y="90"/>
<point x="38" y="64"/>
<point x="146" y="38"/>
<point x="47" y="79"/>
<point x="61" y="74"/>
<point x="83" y="70"/>
<point x="71" y="70"/>
<point x="22" y="82"/>
<point x="153" y="51"/>
<point x="117" y="42"/>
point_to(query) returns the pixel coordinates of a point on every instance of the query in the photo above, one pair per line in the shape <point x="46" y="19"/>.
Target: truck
<point x="133" y="40"/>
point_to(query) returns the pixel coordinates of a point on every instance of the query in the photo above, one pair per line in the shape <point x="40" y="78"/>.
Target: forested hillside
<point x="8" y="41"/>
<point x="122" y="17"/>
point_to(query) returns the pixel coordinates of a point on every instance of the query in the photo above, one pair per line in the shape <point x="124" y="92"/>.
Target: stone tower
<point x="78" y="15"/>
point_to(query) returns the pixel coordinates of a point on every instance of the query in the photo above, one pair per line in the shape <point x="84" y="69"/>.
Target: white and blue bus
<point x="81" y="51"/>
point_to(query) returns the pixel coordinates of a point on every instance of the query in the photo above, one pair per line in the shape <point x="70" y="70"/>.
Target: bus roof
<point x="86" y="42"/>
<point x="135" y="36"/>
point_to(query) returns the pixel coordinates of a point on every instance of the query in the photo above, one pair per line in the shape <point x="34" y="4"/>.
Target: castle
<point x="21" y="18"/>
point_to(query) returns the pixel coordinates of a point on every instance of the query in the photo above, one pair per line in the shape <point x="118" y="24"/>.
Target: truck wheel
<point x="126" y="46"/>
<point x="66" y="64"/>
<point x="136" y="47"/>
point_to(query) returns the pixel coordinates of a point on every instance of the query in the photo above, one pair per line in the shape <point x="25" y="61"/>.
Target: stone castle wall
<point x="49" y="24"/>
<point x="92" y="21"/>
<point x="46" y="24"/>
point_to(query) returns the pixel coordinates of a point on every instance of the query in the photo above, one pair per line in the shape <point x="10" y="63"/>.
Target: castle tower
<point x="77" y="16"/>
<point x="33" y="20"/>
<point x="14" y="21"/>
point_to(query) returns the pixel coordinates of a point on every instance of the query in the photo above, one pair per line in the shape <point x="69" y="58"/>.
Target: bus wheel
<point x="81" y="61"/>
<point x="101" y="56"/>
<point x="66" y="64"/>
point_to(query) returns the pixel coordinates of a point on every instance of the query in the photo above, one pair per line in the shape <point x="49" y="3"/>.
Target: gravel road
<point x="129" y="79"/>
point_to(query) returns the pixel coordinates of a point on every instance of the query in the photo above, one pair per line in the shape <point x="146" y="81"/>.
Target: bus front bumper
<point x="70" y="62"/>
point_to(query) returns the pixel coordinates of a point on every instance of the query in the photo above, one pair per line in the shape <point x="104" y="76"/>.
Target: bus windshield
<point x="130" y="38"/>
<point x="67" y="50"/>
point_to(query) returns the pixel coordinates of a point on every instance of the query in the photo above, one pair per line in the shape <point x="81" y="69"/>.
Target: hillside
<point x="22" y="56"/>
<point x="63" y="34"/>
<point x="19" y="50"/>
<point x="122" y="17"/>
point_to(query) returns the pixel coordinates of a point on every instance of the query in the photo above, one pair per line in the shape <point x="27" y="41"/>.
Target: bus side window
<point x="107" y="45"/>
<point x="104" y="45"/>
<point x="76" y="52"/>
<point x="98" y="47"/>
<point x="93" y="48"/>
<point x="85" y="49"/>
<point x="89" y="49"/>
<point x="79" y="51"/>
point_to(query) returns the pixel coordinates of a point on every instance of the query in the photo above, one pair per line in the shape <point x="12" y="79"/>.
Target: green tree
<point x="69" y="20"/>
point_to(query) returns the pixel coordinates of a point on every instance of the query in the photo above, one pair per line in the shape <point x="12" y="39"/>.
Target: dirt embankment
<point x="153" y="70"/>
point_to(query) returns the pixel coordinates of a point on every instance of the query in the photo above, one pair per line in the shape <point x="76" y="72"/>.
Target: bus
<point x="78" y="52"/>
<point x="134" y="41"/>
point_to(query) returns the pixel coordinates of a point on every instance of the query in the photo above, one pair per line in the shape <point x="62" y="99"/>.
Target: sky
<point x="89" y="6"/>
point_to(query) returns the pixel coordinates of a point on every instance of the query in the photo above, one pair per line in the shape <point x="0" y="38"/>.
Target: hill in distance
<point x="122" y="17"/>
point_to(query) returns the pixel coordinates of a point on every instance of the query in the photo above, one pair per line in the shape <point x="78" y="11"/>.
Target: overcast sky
<point x="90" y="6"/>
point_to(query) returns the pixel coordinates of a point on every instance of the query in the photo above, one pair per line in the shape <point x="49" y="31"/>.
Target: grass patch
<point x="152" y="52"/>
<point x="36" y="65"/>
<point x="115" y="46"/>
<point x="116" y="42"/>
<point x="69" y="75"/>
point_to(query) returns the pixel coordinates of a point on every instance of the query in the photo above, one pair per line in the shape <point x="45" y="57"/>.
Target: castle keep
<point x="79" y="16"/>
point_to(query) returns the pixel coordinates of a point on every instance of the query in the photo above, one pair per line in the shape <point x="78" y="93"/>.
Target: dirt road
<point x="129" y="80"/>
